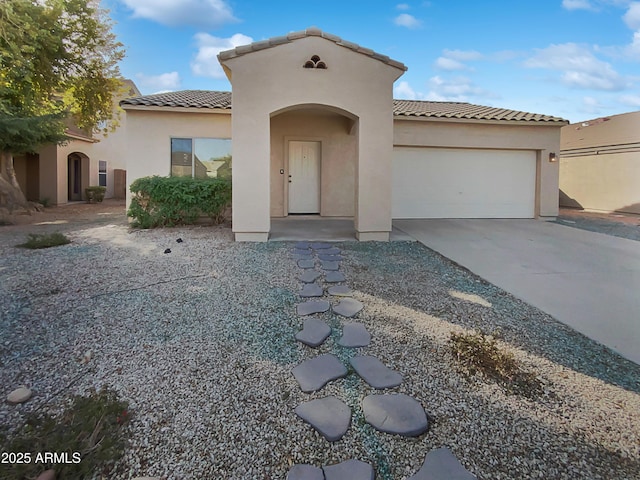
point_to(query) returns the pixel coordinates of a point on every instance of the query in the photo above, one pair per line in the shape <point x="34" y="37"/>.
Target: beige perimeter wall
<point x="605" y="182"/>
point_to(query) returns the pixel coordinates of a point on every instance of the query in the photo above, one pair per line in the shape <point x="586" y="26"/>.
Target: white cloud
<point x="406" y="20"/>
<point x="205" y="63"/>
<point x="402" y="6"/>
<point x="632" y="17"/>
<point x="591" y="106"/>
<point x="579" y="67"/>
<point x="630" y="100"/>
<point x="444" y="63"/>
<point x="458" y="89"/>
<point x="577" y="5"/>
<point x="463" y="55"/>
<point x="198" y="13"/>
<point x="404" y="91"/>
<point x="158" y="83"/>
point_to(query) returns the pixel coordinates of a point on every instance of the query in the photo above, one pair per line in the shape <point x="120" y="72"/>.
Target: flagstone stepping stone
<point x="340" y="291"/>
<point x="306" y="263"/>
<point x="349" y="470"/>
<point x="305" y="472"/>
<point x="347" y="307"/>
<point x="19" y="395"/>
<point x="311" y="290"/>
<point x="331" y="251"/>
<point x="307" y="308"/>
<point x="310" y="276"/>
<point x="334" y="277"/>
<point x="329" y="266"/>
<point x="330" y="258"/>
<point x="330" y="416"/>
<point x="302" y="251"/>
<point x="320" y="245"/>
<point x="302" y="246"/>
<point x="314" y="332"/>
<point x="303" y="257"/>
<point x="441" y="464"/>
<point x="396" y="413"/>
<point x="354" y="335"/>
<point x="315" y="373"/>
<point x="375" y="373"/>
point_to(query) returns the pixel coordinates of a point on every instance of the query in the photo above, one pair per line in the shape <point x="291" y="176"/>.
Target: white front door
<point x="304" y="177"/>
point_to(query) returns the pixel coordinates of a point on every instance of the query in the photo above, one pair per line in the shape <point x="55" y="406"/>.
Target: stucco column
<point x="373" y="179"/>
<point x="251" y="164"/>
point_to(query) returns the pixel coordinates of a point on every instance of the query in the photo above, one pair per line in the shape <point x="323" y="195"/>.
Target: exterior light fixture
<point x="553" y="157"/>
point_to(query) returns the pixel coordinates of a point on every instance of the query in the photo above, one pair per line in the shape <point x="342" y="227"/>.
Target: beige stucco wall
<point x="269" y="81"/>
<point x="338" y="159"/>
<point x="451" y="134"/>
<point x="603" y="182"/>
<point x="149" y="134"/>
<point x="111" y="148"/>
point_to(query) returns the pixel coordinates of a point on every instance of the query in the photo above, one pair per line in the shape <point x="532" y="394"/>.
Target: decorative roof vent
<point x="315" y="62"/>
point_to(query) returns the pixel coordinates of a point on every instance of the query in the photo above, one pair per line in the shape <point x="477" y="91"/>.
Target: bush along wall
<point x="169" y="201"/>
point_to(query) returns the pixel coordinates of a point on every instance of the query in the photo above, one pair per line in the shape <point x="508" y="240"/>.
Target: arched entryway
<point x="77" y="176"/>
<point x="314" y="158"/>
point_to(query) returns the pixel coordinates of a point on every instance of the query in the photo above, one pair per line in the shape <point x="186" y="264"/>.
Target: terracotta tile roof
<point x="401" y="108"/>
<point x="309" y="32"/>
<point x="415" y="108"/>
<point x="184" y="98"/>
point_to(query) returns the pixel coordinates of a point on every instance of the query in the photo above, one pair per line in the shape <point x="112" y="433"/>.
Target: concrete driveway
<point x="587" y="280"/>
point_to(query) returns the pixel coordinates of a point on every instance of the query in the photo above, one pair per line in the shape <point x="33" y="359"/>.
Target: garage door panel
<point x="457" y="183"/>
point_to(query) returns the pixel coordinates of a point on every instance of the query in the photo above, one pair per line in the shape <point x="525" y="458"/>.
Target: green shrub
<point x="92" y="428"/>
<point x="169" y="201"/>
<point x="95" y="194"/>
<point x="44" y="240"/>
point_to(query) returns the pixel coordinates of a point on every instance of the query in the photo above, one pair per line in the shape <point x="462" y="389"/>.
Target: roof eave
<point x="156" y="108"/>
<point x="430" y="118"/>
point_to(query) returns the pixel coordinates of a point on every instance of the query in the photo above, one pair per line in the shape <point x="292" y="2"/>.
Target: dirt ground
<point x="71" y="213"/>
<point x="626" y="218"/>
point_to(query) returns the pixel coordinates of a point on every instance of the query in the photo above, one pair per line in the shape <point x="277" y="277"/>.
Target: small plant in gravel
<point x="479" y="353"/>
<point x="46" y="240"/>
<point x="88" y="439"/>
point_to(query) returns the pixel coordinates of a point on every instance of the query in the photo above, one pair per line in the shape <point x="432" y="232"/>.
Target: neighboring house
<point x="316" y="131"/>
<point x="59" y="173"/>
<point x="600" y="164"/>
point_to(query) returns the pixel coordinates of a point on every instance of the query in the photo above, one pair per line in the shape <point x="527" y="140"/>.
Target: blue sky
<point x="577" y="59"/>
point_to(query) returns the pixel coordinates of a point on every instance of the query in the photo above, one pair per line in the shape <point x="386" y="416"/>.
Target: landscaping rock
<point x="397" y="413"/>
<point x="19" y="395"/>
<point x="375" y="373"/>
<point x="310" y="276"/>
<point x="314" y="332"/>
<point x="47" y="475"/>
<point x="330" y="416"/>
<point x="302" y="246"/>
<point x="329" y="266"/>
<point x="348" y="307"/>
<point x="330" y="258"/>
<point x="340" y="291"/>
<point x="305" y="472"/>
<point x="311" y="290"/>
<point x="320" y="245"/>
<point x="354" y="335"/>
<point x="331" y="251"/>
<point x="315" y="373"/>
<point x="349" y="470"/>
<point x="302" y="251"/>
<point x="334" y="277"/>
<point x="441" y="464"/>
<point x="306" y="263"/>
<point x="307" y="308"/>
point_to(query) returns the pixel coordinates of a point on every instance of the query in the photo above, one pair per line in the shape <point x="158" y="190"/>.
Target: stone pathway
<point x="395" y="413"/>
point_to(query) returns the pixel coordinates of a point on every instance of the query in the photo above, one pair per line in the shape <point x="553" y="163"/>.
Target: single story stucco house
<point x="600" y="164"/>
<point x="315" y="130"/>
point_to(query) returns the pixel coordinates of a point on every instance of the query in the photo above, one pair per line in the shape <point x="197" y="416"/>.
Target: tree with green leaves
<point x="58" y="64"/>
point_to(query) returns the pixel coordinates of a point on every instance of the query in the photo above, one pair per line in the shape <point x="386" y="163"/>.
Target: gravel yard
<point x="200" y="342"/>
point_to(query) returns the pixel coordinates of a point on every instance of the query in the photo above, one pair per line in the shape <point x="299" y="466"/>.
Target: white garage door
<point x="463" y="183"/>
